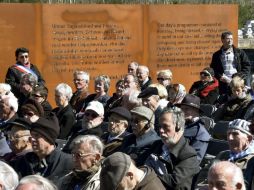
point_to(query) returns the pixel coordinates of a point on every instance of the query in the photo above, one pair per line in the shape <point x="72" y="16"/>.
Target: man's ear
<point x="130" y="175"/>
<point x="238" y="186"/>
<point x="97" y="157"/>
<point x="250" y="138"/>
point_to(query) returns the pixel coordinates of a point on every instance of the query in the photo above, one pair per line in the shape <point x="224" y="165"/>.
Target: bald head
<point x="225" y="176"/>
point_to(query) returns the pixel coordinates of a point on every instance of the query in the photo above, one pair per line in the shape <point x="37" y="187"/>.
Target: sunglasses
<point x="79" y="155"/>
<point x="23" y="56"/>
<point x="92" y="115"/>
<point x="162" y="79"/>
<point x="37" y="96"/>
<point x="30" y="114"/>
<point x="204" y="74"/>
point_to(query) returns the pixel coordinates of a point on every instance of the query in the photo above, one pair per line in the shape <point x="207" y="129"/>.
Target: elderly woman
<point x="176" y="93"/>
<point x="101" y="87"/>
<point x="81" y="80"/>
<point x="164" y="77"/>
<point x="64" y="111"/>
<point x="87" y="154"/>
<point x="40" y="94"/>
<point x="163" y="94"/>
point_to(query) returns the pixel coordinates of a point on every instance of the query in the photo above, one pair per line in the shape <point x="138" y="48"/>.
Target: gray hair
<point x="106" y="81"/>
<point x="5" y="89"/>
<point x="143" y="68"/>
<point x="84" y="75"/>
<point x="177" y="116"/>
<point x="8" y="177"/>
<point x="41" y="182"/>
<point x="94" y="143"/>
<point x="11" y="101"/>
<point x="65" y="90"/>
<point x="230" y="168"/>
<point x="30" y="79"/>
<point x="166" y="72"/>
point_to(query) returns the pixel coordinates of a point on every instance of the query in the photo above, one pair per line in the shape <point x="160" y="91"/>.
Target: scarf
<point x="235" y="156"/>
<point x="209" y="87"/>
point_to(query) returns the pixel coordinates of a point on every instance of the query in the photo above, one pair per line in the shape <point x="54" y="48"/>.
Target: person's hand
<point x="225" y="79"/>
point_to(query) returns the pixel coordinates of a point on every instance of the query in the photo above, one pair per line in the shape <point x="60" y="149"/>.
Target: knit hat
<point x="21" y="122"/>
<point x="96" y="106"/>
<point x="122" y="112"/>
<point x="241" y="125"/>
<point x="144" y="112"/>
<point x="113" y="169"/>
<point x="34" y="106"/>
<point x="149" y="91"/>
<point x="48" y="128"/>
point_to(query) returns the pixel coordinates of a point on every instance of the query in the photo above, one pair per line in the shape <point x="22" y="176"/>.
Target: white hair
<point x="166" y="72"/>
<point x="65" y="90"/>
<point x="94" y="142"/>
<point x="41" y="182"/>
<point x="11" y="101"/>
<point x="4" y="89"/>
<point x="83" y="74"/>
<point x="8" y="177"/>
<point x="143" y="68"/>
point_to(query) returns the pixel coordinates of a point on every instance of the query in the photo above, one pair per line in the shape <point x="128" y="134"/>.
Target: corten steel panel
<point x="103" y="39"/>
<point x="184" y="37"/>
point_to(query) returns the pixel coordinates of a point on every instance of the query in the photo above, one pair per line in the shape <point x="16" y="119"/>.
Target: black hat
<point x="191" y="100"/>
<point x="33" y="105"/>
<point x="122" y="112"/>
<point x="149" y="91"/>
<point x="48" y="128"/>
<point x="21" y="122"/>
<point x="113" y="169"/>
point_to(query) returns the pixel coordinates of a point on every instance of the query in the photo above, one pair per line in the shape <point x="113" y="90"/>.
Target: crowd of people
<point x="148" y="135"/>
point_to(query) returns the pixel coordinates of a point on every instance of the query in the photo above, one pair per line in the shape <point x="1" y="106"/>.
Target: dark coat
<point x="78" y="99"/>
<point x="139" y="153"/>
<point x="198" y="137"/>
<point x="13" y="77"/>
<point x="150" y="181"/>
<point x="144" y="86"/>
<point x="47" y="108"/>
<point x="243" y="66"/>
<point x="102" y="99"/>
<point x="181" y="167"/>
<point x="66" y="118"/>
<point x="198" y="88"/>
<point x="58" y="164"/>
<point x="114" y="101"/>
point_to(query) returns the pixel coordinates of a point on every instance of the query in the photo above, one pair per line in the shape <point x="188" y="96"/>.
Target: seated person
<point x="239" y="106"/>
<point x="195" y="130"/>
<point x="144" y="139"/>
<point x="241" y="149"/>
<point x="119" y="119"/>
<point x="207" y="88"/>
<point x="119" y="172"/>
<point x="176" y="93"/>
<point x="87" y="154"/>
<point x="174" y="160"/>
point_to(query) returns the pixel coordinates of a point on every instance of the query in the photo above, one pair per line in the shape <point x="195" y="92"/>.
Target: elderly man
<point x="119" y="119"/>
<point x="81" y="81"/>
<point x="132" y="67"/>
<point x="150" y="98"/>
<point x="19" y="139"/>
<point x="131" y="81"/>
<point x="22" y="66"/>
<point x="143" y="77"/>
<point x="195" y="129"/>
<point x="175" y="161"/>
<point x="91" y="124"/>
<point x="144" y="139"/>
<point x="87" y="153"/>
<point x="8" y="177"/>
<point x="228" y="61"/>
<point x="241" y="149"/>
<point x="119" y="172"/>
<point x="225" y="176"/>
<point x="46" y="160"/>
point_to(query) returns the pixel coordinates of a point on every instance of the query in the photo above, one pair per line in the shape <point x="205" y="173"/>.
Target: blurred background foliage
<point x="246" y="7"/>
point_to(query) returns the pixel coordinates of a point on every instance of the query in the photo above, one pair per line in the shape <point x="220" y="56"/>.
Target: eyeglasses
<point x="89" y="114"/>
<point x="13" y="138"/>
<point x="37" y="96"/>
<point x="115" y="121"/>
<point x="23" y="56"/>
<point x="79" y="155"/>
<point x="78" y="80"/>
<point x="204" y="74"/>
<point x="163" y="79"/>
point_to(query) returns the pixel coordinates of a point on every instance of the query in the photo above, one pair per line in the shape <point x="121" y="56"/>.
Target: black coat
<point x="58" y="164"/>
<point x="144" y="86"/>
<point x="66" y="118"/>
<point x="47" y="108"/>
<point x="13" y="77"/>
<point x="243" y="66"/>
<point x="181" y="167"/>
